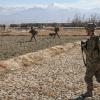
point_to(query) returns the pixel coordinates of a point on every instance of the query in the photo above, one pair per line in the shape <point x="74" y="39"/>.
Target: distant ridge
<point x="50" y="13"/>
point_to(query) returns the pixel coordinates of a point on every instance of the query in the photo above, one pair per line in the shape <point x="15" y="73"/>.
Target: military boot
<point x="87" y="94"/>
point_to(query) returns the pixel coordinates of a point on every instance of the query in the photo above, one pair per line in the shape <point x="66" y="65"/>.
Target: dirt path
<point x="58" y="77"/>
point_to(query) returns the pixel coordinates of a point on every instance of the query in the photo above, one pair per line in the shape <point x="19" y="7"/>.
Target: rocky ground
<point x="56" y="76"/>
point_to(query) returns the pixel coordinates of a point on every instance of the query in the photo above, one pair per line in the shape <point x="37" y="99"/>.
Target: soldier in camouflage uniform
<point x="56" y="29"/>
<point x="33" y="32"/>
<point x="92" y="52"/>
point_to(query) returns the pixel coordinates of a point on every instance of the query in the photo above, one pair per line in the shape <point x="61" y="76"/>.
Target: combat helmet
<point x="90" y="26"/>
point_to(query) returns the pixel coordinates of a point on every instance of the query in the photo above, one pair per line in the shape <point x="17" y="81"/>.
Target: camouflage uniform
<point x="56" y="29"/>
<point x="91" y="49"/>
<point x="33" y="32"/>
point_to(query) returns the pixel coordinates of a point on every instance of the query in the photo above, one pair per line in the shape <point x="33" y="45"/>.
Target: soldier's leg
<point x="97" y="75"/>
<point x="31" y="38"/>
<point x="89" y="82"/>
<point x="54" y="35"/>
<point x="58" y="35"/>
<point x="34" y="38"/>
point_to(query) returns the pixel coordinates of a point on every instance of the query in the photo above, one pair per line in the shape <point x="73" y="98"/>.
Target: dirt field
<point x="12" y="46"/>
<point x="56" y="74"/>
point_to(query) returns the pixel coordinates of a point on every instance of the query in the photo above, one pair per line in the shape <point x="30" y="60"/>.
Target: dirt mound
<point x="31" y="58"/>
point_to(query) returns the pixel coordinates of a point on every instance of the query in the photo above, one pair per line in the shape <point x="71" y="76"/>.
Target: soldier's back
<point x="93" y="48"/>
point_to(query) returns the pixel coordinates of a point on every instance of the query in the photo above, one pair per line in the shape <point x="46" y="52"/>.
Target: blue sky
<point x="60" y="3"/>
<point x="18" y="2"/>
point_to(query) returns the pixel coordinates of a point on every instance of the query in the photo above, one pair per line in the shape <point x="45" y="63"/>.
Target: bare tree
<point x="77" y="21"/>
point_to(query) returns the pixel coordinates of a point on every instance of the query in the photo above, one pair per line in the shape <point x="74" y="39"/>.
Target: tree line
<point x="77" y="21"/>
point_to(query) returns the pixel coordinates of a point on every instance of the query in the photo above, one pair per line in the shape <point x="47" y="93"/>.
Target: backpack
<point x="56" y="29"/>
<point x="33" y="32"/>
<point x="92" y="47"/>
<point x="95" y="43"/>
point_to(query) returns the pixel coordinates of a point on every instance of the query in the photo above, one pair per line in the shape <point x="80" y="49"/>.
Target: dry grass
<point x="13" y="46"/>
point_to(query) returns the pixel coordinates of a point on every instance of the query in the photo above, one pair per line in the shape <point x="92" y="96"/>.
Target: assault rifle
<point x="83" y="45"/>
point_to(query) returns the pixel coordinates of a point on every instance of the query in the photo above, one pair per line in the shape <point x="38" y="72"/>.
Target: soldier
<point x="33" y="32"/>
<point x="56" y="29"/>
<point x="4" y="26"/>
<point x="92" y="52"/>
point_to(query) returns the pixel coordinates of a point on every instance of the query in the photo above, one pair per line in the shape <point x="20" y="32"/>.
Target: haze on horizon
<point x="61" y="3"/>
<point x="10" y="9"/>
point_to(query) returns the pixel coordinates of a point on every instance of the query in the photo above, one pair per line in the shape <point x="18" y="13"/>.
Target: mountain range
<point x="47" y="14"/>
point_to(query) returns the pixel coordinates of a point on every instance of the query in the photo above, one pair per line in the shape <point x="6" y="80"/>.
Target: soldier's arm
<point x="84" y="46"/>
